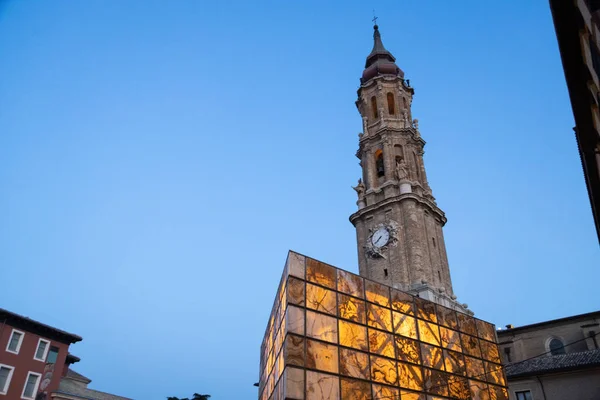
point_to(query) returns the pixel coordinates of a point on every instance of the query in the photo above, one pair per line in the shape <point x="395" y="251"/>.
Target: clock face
<point x="380" y="237"/>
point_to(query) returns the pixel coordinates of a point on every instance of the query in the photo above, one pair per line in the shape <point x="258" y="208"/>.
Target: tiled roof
<point x="76" y="389"/>
<point x="77" y="376"/>
<point x="75" y="385"/>
<point x="28" y="323"/>
<point x="571" y="361"/>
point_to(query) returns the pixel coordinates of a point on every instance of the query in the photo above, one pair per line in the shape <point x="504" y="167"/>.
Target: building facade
<point x="398" y="223"/>
<point x="577" y="24"/>
<point x="553" y="360"/>
<point x="35" y="361"/>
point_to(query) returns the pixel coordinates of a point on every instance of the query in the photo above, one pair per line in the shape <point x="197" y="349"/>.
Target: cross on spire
<point x="374" y="18"/>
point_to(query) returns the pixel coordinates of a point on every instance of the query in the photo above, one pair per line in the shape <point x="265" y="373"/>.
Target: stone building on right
<point x="569" y="367"/>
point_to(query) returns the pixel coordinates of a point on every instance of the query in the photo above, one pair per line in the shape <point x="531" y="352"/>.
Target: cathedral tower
<point x="398" y="223"/>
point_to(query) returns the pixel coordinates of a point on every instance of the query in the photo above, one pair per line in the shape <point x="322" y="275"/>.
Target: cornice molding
<point x="431" y="206"/>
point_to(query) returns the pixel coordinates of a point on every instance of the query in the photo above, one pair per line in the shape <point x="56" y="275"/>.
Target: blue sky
<point x="159" y="158"/>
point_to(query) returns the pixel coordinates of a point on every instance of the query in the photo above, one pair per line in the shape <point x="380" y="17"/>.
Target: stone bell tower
<point x="398" y="223"/>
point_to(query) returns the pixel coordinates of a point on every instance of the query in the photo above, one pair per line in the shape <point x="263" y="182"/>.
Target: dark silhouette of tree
<point x="196" y="397"/>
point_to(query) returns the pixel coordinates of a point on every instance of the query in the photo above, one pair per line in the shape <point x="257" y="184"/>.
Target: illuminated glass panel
<point x="425" y="309"/>
<point x="405" y="325"/>
<point x="321" y="356"/>
<point x="479" y="390"/>
<point x="471" y="346"/>
<point x="466" y="324"/>
<point x="296" y="291"/>
<point x="498" y="392"/>
<point x="432" y="356"/>
<point x="379" y="317"/>
<point x="354" y="363"/>
<point x="381" y="343"/>
<point x="321" y="327"/>
<point x="351" y="309"/>
<point x="406" y="395"/>
<point x="428" y="332"/>
<point x="384" y="370"/>
<point x="353" y="335"/>
<point x="435" y="381"/>
<point x="381" y="392"/>
<point x="320" y="273"/>
<point x="377" y="293"/>
<point x="295" y="265"/>
<point x="350" y="284"/>
<point x="447" y="317"/>
<point x="321" y="386"/>
<point x="402" y="302"/>
<point x="294" y="350"/>
<point x="411" y="376"/>
<point x="450" y="339"/>
<point x="454" y="362"/>
<point x="459" y="388"/>
<point x="295" y="320"/>
<point x="407" y="350"/>
<point x="320" y="299"/>
<point x="474" y="368"/>
<point x="494" y="373"/>
<point x="489" y="351"/>
<point x="486" y="330"/>
<point x="353" y="389"/>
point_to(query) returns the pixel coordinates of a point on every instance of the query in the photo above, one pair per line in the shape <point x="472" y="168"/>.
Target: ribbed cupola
<point x="380" y="61"/>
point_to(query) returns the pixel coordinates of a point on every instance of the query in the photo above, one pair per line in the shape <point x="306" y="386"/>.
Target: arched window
<point x="379" y="163"/>
<point x="374" y="107"/>
<point x="391" y="104"/>
<point x="556" y="347"/>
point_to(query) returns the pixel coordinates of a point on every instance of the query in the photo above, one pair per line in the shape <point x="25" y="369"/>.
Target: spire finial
<point x="374" y="20"/>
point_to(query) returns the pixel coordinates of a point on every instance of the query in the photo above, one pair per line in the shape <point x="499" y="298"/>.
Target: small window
<point x="525" y="395"/>
<point x="556" y="347"/>
<point x="417" y="167"/>
<point x="6" y="372"/>
<point x="433" y="240"/>
<point x="391" y="104"/>
<point x="31" y="386"/>
<point x="52" y="355"/>
<point x="42" y="350"/>
<point x="14" y="343"/>
<point x="379" y="163"/>
<point x="374" y="107"/>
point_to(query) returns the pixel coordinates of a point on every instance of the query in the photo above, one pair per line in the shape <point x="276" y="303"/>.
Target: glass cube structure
<point x="335" y="335"/>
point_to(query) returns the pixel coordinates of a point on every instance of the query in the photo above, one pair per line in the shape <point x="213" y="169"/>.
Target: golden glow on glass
<point x="428" y="332"/>
<point x="296" y="291"/>
<point x="392" y="346"/>
<point x="321" y="327"/>
<point x="351" y="308"/>
<point x="405" y="325"/>
<point x="320" y="273"/>
<point x="353" y="389"/>
<point x="411" y="376"/>
<point x="381" y="343"/>
<point x="354" y="363"/>
<point x="407" y="350"/>
<point x="350" y="284"/>
<point x="321" y="356"/>
<point x="381" y="392"/>
<point x="320" y="299"/>
<point x="450" y="339"/>
<point x="425" y="309"/>
<point x="377" y="293"/>
<point x="402" y="302"/>
<point x="294" y="350"/>
<point x="432" y="356"/>
<point x="321" y="386"/>
<point x="353" y="335"/>
<point x="384" y="370"/>
<point x="379" y="317"/>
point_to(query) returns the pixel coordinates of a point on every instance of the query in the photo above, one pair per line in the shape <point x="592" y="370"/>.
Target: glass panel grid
<point x="334" y="335"/>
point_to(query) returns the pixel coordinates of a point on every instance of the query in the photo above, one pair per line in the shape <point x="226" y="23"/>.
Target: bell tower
<point x="398" y="223"/>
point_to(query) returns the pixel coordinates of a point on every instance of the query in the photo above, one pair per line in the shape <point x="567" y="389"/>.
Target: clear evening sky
<point x="159" y="158"/>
